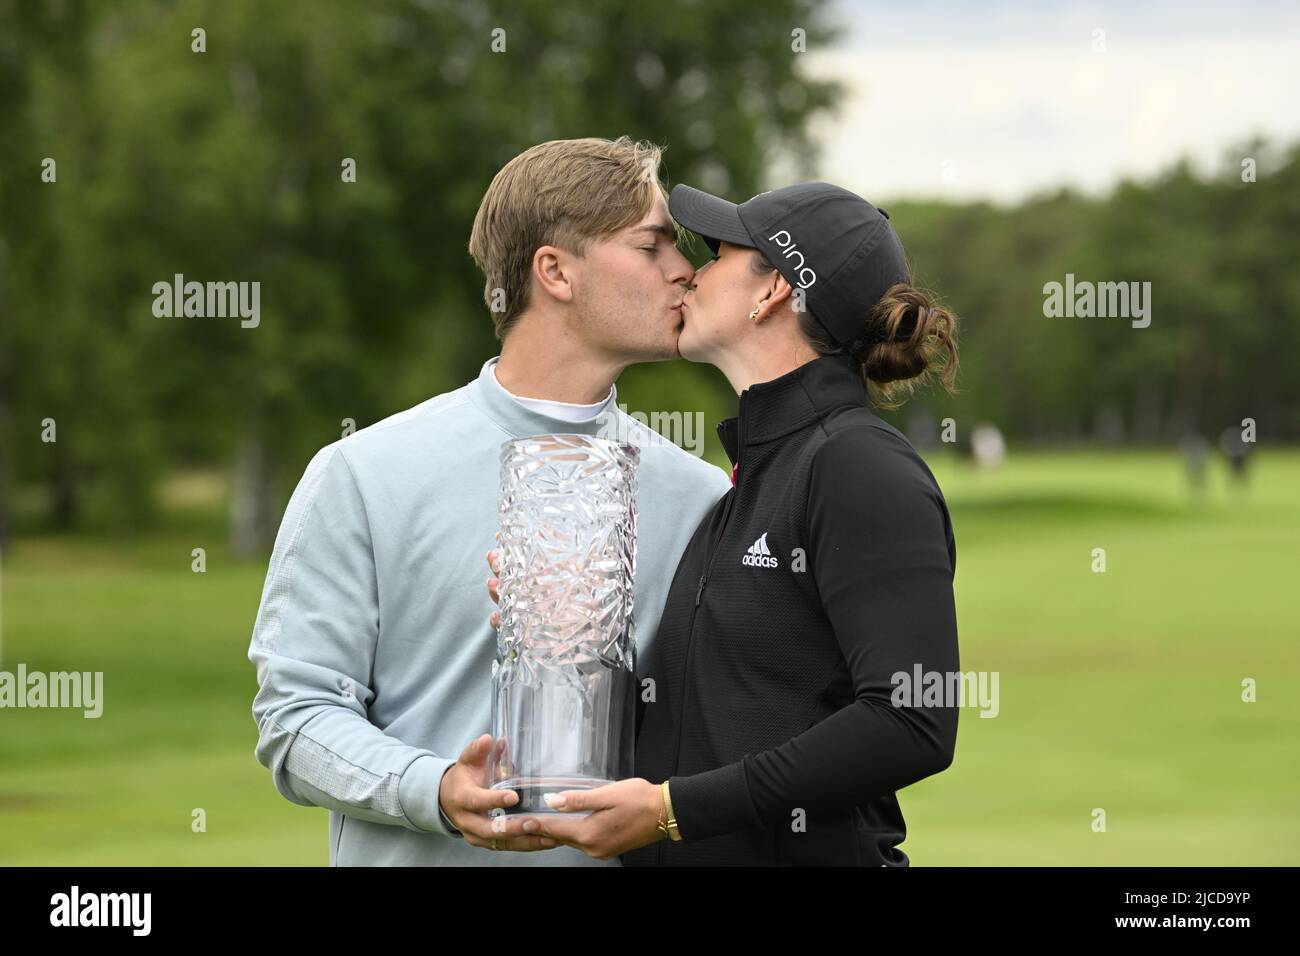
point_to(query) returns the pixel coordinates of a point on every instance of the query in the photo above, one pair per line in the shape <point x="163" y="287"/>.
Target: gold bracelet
<point x="668" y="827"/>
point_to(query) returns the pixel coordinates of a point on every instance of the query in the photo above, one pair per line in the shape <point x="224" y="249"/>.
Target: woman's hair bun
<point x="908" y="339"/>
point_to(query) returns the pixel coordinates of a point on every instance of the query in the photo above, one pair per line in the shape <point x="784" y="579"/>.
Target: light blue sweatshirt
<point x="372" y="642"/>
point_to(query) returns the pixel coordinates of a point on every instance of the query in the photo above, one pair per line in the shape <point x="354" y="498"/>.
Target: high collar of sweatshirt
<point x="772" y="410"/>
<point x="521" y="422"/>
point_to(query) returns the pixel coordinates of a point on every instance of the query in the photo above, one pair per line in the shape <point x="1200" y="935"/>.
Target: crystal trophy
<point x="563" y="682"/>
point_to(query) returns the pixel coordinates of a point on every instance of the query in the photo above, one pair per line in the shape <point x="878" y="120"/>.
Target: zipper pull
<point x="700" y="592"/>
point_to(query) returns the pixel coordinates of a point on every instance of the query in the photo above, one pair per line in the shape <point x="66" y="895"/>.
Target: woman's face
<point x="715" y="312"/>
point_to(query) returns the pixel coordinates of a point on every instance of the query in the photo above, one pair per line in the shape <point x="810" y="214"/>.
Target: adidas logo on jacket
<point x="759" y="556"/>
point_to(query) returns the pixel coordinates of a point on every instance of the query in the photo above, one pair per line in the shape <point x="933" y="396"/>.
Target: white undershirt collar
<point x="565" y="411"/>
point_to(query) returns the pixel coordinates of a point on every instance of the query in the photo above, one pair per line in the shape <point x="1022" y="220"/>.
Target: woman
<point x="819" y="589"/>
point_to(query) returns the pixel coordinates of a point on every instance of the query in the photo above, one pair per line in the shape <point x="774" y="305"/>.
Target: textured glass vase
<point x="563" y="694"/>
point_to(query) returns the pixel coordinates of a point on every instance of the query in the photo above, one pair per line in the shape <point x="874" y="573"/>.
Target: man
<point x="372" y="642"/>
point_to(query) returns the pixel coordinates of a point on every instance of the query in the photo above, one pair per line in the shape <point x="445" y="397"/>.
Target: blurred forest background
<point x="226" y="165"/>
<point x="173" y="433"/>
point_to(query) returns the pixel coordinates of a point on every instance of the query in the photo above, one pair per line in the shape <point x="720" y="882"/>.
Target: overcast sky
<point x="1002" y="99"/>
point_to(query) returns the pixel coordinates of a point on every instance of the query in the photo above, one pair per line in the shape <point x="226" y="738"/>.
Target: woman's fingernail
<point x="530" y="826"/>
<point x="554" y="800"/>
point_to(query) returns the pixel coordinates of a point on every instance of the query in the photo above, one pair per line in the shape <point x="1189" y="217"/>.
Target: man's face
<point x="628" y="289"/>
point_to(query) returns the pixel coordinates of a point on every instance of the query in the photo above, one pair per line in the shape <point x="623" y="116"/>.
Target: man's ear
<point x="776" y="291"/>
<point x="553" y="272"/>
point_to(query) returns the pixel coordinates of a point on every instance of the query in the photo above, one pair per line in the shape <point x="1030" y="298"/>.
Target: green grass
<point x="1119" y="691"/>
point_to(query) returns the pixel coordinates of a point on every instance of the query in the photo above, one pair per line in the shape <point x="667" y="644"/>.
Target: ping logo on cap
<point x="791" y="248"/>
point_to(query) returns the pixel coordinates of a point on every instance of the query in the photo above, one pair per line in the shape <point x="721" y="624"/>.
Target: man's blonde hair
<point x="562" y="193"/>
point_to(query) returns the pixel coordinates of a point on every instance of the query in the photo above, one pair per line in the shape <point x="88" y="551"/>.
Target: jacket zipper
<point x="699" y="595"/>
<point x="699" y="592"/>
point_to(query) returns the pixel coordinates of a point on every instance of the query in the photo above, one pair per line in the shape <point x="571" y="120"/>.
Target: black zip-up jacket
<point x="824" y="573"/>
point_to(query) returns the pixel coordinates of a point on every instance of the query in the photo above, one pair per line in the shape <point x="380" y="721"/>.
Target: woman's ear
<point x="776" y="290"/>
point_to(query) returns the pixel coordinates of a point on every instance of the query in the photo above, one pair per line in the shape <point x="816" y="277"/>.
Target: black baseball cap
<point x="837" y="247"/>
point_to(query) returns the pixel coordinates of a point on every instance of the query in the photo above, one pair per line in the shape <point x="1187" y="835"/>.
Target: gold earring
<point x="753" y="315"/>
